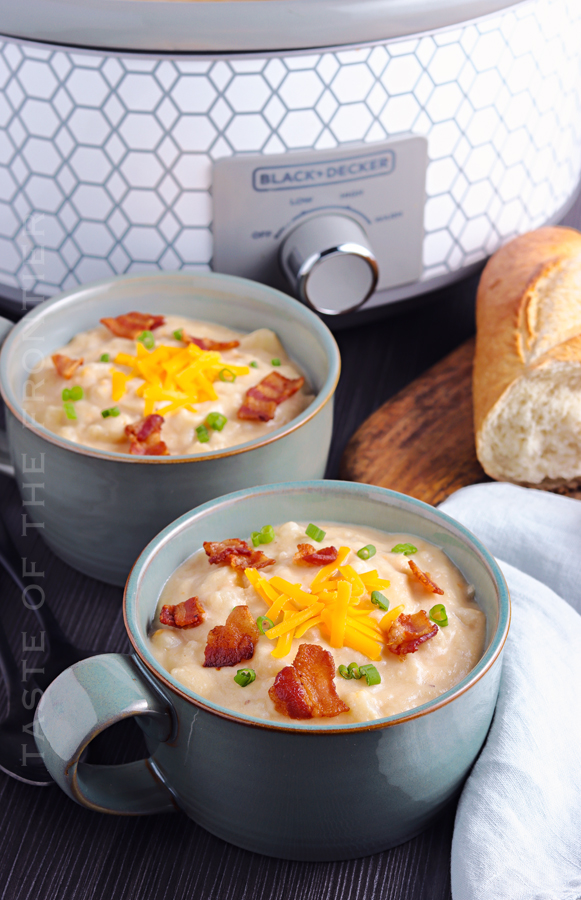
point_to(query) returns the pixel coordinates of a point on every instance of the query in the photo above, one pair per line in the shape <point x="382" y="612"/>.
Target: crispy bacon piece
<point x="424" y="579"/>
<point x="307" y="555"/>
<point x="188" y="614"/>
<point x="261" y="400"/>
<point x="145" y="437"/>
<point x="236" y="553"/>
<point x="306" y="690"/>
<point x="229" y="644"/>
<point x="219" y="553"/>
<point x="65" y="366"/>
<point x="208" y="343"/>
<point x="408" y="632"/>
<point x="256" y="560"/>
<point x="132" y="324"/>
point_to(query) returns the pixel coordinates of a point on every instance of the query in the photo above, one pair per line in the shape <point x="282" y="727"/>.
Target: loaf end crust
<point x="528" y="317"/>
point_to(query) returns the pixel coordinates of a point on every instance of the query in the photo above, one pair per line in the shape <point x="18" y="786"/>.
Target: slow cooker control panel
<point x="331" y="226"/>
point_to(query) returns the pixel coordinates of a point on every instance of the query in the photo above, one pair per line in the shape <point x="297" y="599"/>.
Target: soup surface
<point x="364" y="606"/>
<point x="179" y="387"/>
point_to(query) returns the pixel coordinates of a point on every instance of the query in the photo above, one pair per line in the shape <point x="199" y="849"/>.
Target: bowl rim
<point x="159" y="674"/>
<point x="75" y="295"/>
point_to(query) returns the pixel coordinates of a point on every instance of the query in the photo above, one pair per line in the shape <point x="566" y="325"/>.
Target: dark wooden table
<point x="52" y="848"/>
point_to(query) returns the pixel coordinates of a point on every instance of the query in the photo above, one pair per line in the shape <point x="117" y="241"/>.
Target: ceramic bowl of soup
<point x="133" y="400"/>
<point x="354" y="732"/>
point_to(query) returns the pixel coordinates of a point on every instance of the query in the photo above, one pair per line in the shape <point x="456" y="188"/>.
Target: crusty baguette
<point x="527" y="366"/>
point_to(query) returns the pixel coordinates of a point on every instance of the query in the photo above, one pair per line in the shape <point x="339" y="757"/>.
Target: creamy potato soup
<point x="374" y="623"/>
<point x="166" y="385"/>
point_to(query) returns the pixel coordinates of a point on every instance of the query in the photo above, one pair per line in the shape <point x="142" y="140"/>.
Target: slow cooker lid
<point x="218" y="26"/>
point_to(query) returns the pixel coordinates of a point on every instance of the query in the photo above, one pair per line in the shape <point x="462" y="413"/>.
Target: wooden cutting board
<point x="421" y="442"/>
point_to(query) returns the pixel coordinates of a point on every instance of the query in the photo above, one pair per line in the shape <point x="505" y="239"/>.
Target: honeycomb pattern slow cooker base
<point x="106" y="158"/>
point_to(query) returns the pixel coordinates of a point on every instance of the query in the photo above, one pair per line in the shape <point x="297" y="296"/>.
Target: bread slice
<point x="527" y="366"/>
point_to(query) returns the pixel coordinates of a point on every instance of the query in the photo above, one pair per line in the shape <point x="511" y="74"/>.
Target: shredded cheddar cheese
<point x="284" y="643"/>
<point x="353" y="578"/>
<point x="390" y="617"/>
<point x="293" y="621"/>
<point x="361" y="642"/>
<point x="339" y="614"/>
<point x="176" y="376"/>
<point x="331" y="604"/>
<point x="329" y="569"/>
<point x="306" y="625"/>
<point x="119" y="384"/>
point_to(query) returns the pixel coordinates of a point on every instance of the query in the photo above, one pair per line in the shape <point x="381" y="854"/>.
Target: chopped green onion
<point x="215" y="420"/>
<point x="227" y="375"/>
<point x="202" y="433"/>
<point x="113" y="411"/>
<point x="69" y="410"/>
<point x="147" y="339"/>
<point x="264" y="536"/>
<point x="104" y="357"/>
<point x="264" y="623"/>
<point x="406" y="549"/>
<point x="380" y="600"/>
<point x="179" y="334"/>
<point x="317" y="534"/>
<point x="354" y="671"/>
<point x="245" y="677"/>
<point x="74" y="393"/>
<point x="367" y="552"/>
<point x="254" y="364"/>
<point x="439" y="615"/>
<point x="267" y="532"/>
<point x="370" y="674"/>
<point x="275" y="361"/>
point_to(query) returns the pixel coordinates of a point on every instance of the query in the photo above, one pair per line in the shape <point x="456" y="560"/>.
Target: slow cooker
<point x="355" y="152"/>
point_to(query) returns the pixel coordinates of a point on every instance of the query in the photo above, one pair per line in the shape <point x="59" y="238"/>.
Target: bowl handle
<point x="79" y="704"/>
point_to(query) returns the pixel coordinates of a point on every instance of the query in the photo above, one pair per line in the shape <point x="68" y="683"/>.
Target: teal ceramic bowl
<point x="98" y="509"/>
<point x="298" y="791"/>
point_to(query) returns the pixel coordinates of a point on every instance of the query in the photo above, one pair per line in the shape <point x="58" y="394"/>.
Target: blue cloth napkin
<point x="518" y="827"/>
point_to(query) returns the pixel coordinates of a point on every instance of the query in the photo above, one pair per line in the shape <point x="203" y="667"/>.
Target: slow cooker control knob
<point x="329" y="263"/>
